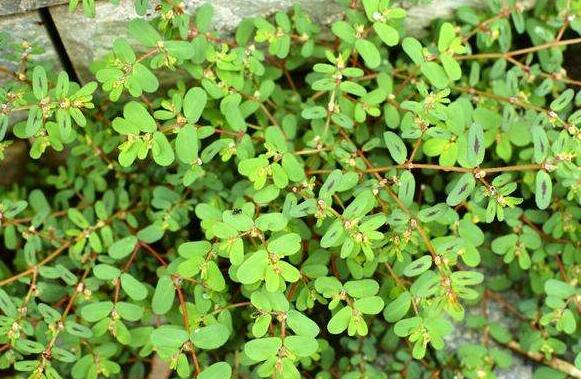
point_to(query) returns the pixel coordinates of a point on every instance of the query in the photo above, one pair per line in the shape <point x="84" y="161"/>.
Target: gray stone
<point x="19" y="6"/>
<point x="88" y="39"/>
<point x="462" y="335"/>
<point x="27" y="27"/>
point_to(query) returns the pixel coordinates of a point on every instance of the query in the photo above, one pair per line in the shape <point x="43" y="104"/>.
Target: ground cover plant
<point x="296" y="201"/>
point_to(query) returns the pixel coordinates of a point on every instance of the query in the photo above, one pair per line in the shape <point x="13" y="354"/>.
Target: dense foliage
<point x="295" y="202"/>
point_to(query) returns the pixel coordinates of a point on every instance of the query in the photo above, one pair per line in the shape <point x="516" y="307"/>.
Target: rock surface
<point x="27" y="27"/>
<point x="86" y="39"/>
<point x="462" y="335"/>
<point x="19" y="6"/>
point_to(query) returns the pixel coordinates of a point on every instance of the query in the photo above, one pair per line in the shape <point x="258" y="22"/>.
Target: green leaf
<point x="418" y="266"/>
<point x="146" y="79"/>
<point x="396" y="147"/>
<point x="361" y="288"/>
<point x="475" y="145"/>
<point x="162" y="151"/>
<point x="29" y="347"/>
<point x="387" y="33"/>
<point x="180" y="49"/>
<point x="210" y="337"/>
<point x="398" y="308"/>
<point x="78" y="330"/>
<point x="331" y="184"/>
<point x="461" y="190"/>
<point x="563" y="100"/>
<point x="253" y="268"/>
<point x="6" y="304"/>
<point x="413" y="48"/>
<point x="287" y="244"/>
<point x="407" y="187"/>
<point x="219" y="370"/>
<point x="187" y="144"/>
<point x="230" y="108"/>
<point x="340" y="321"/>
<point x="122" y="248"/>
<point x="369" y="305"/>
<point x="106" y="272"/>
<point x="170" y="336"/>
<point x="344" y="31"/>
<point x="447" y="35"/>
<point x="540" y="144"/>
<point x="194" y="104"/>
<point x="334" y="235"/>
<point x="204" y="15"/>
<point x="435" y="74"/>
<point x="368" y="52"/>
<point x="39" y="83"/>
<point x="164" y="295"/>
<point x="301" y="346"/>
<point x="451" y="67"/>
<point x="133" y="287"/>
<point x="129" y="311"/>
<point x="543" y="189"/>
<point x="432" y="213"/>
<point x="94" y="312"/>
<point x="263" y="348"/>
<point x="560" y="289"/>
<point x="142" y="31"/>
<point x="301" y="324"/>
<point x="370" y="7"/>
<point x="138" y="118"/>
<point x="77" y="218"/>
<point x="404" y="327"/>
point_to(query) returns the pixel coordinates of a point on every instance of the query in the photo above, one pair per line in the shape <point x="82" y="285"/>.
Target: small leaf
<point x="210" y="337"/>
<point x="447" y="35"/>
<point x="164" y="295"/>
<point x="340" y="321"/>
<point x="219" y="370"/>
<point x="253" y="268"/>
<point x="451" y="67"/>
<point x="187" y="144"/>
<point x="301" y="346"/>
<point x="7" y="305"/>
<point x="540" y="144"/>
<point x="331" y="184"/>
<point x="194" y="104"/>
<point x="432" y="213"/>
<point x="435" y="74"/>
<point x="39" y="83"/>
<point x="263" y="348"/>
<point x="133" y="287"/>
<point x="123" y="247"/>
<point x="368" y="52"/>
<point x="396" y="147"/>
<point x="171" y="336"/>
<point x="371" y="305"/>
<point x="96" y="311"/>
<point x="563" y="100"/>
<point x="398" y="308"/>
<point x="407" y="187"/>
<point x="475" y="145"/>
<point x="162" y="151"/>
<point x="413" y="48"/>
<point x="461" y="190"/>
<point x="301" y="324"/>
<point x="142" y="31"/>
<point x="543" y="189"/>
<point x="560" y="289"/>
<point x="387" y="33"/>
<point x="418" y="266"/>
